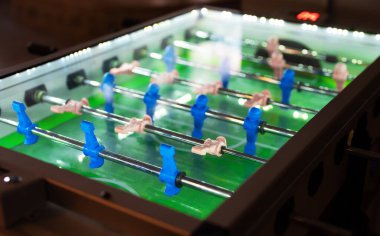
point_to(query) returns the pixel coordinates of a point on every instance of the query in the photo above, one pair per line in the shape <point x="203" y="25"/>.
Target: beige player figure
<point x="340" y="75"/>
<point x="71" y="106"/>
<point x="134" y="126"/>
<point x="125" y="68"/>
<point x="164" y="78"/>
<point x="259" y="99"/>
<point x="212" y="147"/>
<point x="277" y="62"/>
<point x="212" y="88"/>
<point x="272" y="44"/>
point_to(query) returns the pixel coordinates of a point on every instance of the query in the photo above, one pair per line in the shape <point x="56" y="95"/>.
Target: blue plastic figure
<point x="251" y="126"/>
<point x="107" y="88"/>
<point x="92" y="148"/>
<point x="150" y="99"/>
<point x="169" y="170"/>
<point x="286" y="85"/>
<point x="225" y="72"/>
<point x="25" y="125"/>
<point x="170" y="58"/>
<point x="198" y="111"/>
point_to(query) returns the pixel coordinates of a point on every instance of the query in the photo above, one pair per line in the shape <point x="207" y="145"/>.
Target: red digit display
<point x="308" y="16"/>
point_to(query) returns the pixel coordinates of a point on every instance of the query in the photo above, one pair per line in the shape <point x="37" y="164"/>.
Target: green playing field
<point x="227" y="171"/>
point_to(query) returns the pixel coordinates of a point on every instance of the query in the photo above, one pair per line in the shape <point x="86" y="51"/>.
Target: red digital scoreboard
<point x="308" y="16"/>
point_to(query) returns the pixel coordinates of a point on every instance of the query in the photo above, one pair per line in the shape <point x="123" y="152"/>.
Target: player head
<point x="254" y="113"/>
<point x="167" y="150"/>
<point x="341" y="67"/>
<point x="18" y="107"/>
<point x="87" y="126"/>
<point x="272" y="44"/>
<point x="169" y="52"/>
<point x="201" y="100"/>
<point x="272" y="39"/>
<point x="277" y="56"/>
<point x="266" y="93"/>
<point x="226" y="61"/>
<point x="340" y="72"/>
<point x="288" y="76"/>
<point x="153" y="88"/>
<point x="225" y="66"/>
<point x="108" y="79"/>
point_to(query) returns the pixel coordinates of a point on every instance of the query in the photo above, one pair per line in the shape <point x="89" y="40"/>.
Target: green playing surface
<point x="227" y="171"/>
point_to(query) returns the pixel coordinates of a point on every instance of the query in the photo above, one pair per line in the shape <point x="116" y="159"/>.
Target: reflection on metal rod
<point x="297" y="108"/>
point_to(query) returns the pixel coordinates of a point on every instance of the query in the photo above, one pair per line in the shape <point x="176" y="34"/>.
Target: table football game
<point x="206" y="120"/>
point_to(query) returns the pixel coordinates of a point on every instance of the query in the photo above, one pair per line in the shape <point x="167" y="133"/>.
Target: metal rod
<point x="363" y="153"/>
<point x="308" y="69"/>
<point x="86" y="109"/>
<point x="127" y="161"/>
<point x="299" y="85"/>
<point x="297" y="108"/>
<point x="279" y="131"/>
<point x="237" y="94"/>
<point x="148" y="128"/>
<point x="172" y="135"/>
<point x="210" y="113"/>
<point x="304" y="69"/>
<point x="304" y="52"/>
<point x="315" y="89"/>
<point x="254" y="76"/>
<point x="8" y="122"/>
<point x="201" y="185"/>
<point x="240" y="154"/>
<point x="194" y="141"/>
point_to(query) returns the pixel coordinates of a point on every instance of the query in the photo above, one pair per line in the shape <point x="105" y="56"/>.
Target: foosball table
<point x="205" y="121"/>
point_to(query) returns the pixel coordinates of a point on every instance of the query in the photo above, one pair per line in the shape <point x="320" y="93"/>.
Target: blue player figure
<point x="107" y="87"/>
<point x="225" y="72"/>
<point x="198" y="111"/>
<point x="150" y="99"/>
<point x="92" y="148"/>
<point x="170" y="58"/>
<point x="25" y="125"/>
<point x="251" y="125"/>
<point x="169" y="172"/>
<point x="286" y="85"/>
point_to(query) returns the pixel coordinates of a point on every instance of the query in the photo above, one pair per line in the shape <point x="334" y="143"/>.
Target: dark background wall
<point x="62" y="23"/>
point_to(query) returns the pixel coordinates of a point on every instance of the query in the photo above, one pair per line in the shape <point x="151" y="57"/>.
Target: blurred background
<point x="29" y="29"/>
